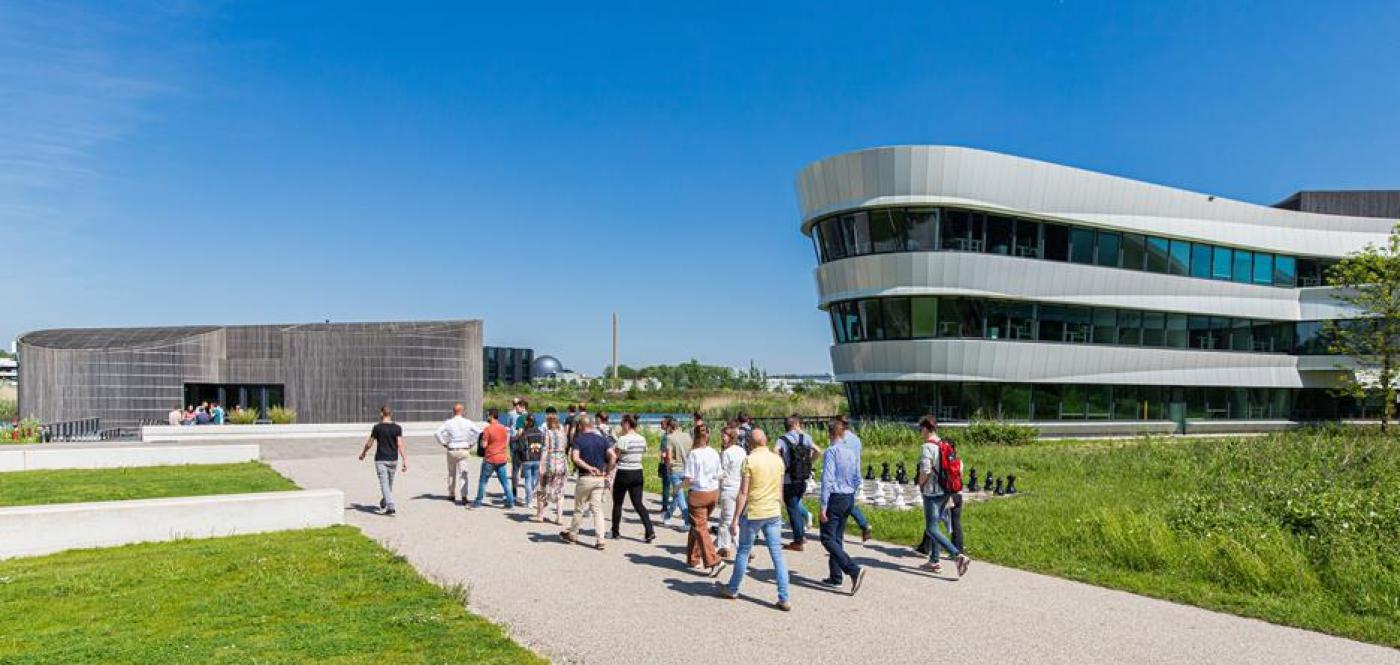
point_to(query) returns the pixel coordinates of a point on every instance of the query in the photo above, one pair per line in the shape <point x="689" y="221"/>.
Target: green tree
<point x="1369" y="281"/>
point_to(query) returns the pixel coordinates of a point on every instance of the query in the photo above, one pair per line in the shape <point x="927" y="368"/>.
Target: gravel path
<point x="637" y="603"/>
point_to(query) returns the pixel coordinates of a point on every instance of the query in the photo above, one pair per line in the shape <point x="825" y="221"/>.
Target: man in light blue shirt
<point x="856" y="514"/>
<point x="840" y="482"/>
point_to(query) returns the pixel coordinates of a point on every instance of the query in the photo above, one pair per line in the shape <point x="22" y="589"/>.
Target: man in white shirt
<point x="458" y="435"/>
<point x="731" y="466"/>
<point x="175" y="416"/>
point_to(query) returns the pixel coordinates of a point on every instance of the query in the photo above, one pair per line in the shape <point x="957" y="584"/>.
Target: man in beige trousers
<point x="594" y="457"/>
<point x="458" y="435"/>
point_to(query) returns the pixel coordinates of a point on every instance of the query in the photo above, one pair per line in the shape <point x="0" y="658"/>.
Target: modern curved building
<point x="963" y="282"/>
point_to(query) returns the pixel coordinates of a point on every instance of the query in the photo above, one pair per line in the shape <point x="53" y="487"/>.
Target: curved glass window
<point x="966" y="400"/>
<point x="885" y="230"/>
<point x="952" y="317"/>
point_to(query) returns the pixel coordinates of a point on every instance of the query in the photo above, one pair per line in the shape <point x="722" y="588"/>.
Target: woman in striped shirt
<point x="630" y="446"/>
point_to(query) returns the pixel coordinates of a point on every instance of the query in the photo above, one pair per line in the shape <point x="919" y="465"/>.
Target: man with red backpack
<point x="940" y="479"/>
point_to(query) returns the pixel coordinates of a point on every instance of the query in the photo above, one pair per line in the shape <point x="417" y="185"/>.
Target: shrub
<point x="26" y="431"/>
<point x="242" y="417"/>
<point x="997" y="433"/>
<point x="888" y="435"/>
<point x="281" y="415"/>
<point x="9" y="410"/>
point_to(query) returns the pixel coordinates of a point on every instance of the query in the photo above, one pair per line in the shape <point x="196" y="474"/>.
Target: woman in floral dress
<point x="554" y="468"/>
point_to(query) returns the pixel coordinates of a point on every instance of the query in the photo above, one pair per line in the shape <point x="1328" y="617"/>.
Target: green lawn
<point x="28" y="488"/>
<point x="316" y="596"/>
<point x="1297" y="529"/>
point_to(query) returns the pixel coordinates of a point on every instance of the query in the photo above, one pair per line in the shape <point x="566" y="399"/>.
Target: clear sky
<point x="254" y="162"/>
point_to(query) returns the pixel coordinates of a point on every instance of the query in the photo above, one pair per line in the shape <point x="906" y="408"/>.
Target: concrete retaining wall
<point x="358" y="431"/>
<point x="50" y="456"/>
<point x="34" y="530"/>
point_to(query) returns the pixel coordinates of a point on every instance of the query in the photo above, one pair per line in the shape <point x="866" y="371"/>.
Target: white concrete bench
<point x="34" y="530"/>
<point x="51" y="456"/>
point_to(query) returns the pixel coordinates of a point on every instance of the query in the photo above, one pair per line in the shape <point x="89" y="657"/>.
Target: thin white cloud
<point x="68" y="86"/>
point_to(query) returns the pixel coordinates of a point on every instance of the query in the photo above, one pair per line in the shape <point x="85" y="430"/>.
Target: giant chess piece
<point x="869" y="472"/>
<point x="972" y="480"/>
<point x="863" y="493"/>
<point x="999" y="491"/>
<point x="1010" y="483"/>
<point x="899" y="502"/>
<point x="901" y="475"/>
<point x="987" y="482"/>
<point x="812" y="486"/>
<point x="880" y="493"/>
<point x="885" y="471"/>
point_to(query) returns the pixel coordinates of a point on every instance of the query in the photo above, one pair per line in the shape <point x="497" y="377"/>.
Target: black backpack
<point x="799" y="459"/>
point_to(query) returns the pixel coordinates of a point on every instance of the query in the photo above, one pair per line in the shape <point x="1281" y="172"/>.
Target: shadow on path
<point x="664" y="562"/>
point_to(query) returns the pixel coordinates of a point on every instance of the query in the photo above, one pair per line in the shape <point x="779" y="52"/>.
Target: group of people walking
<point x="744" y="486"/>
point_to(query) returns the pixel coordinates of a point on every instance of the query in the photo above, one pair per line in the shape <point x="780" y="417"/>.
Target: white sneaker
<point x="667" y="522"/>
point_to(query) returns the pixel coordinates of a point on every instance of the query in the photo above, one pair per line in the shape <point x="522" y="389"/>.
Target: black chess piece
<point x="972" y="480"/>
<point x="901" y="475"/>
<point x="885" y="471"/>
<point x="987" y="482"/>
<point x="869" y="472"/>
<point x="1011" y="483"/>
<point x="999" y="491"/>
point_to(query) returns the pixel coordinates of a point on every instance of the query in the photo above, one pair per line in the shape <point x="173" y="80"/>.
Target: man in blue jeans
<point x="840" y="481"/>
<point x="678" y="445"/>
<point x="757" y="509"/>
<point x="798" y="451"/>
<point x="936" y="496"/>
<point x="496" y="448"/>
<point x="854" y="441"/>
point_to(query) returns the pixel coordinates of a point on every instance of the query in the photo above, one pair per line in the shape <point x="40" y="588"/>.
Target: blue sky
<point x="251" y="162"/>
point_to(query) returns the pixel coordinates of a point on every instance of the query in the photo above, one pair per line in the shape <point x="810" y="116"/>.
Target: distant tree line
<point x="692" y="375"/>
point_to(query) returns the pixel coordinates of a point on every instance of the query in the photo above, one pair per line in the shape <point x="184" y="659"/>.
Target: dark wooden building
<point x="327" y="372"/>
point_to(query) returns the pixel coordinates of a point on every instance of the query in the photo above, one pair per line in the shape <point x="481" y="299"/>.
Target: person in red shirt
<point x="496" y="446"/>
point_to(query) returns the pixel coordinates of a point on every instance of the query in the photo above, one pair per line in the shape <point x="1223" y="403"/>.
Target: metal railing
<point x="85" y="429"/>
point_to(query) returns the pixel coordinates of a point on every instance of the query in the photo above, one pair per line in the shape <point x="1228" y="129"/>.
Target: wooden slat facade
<point x="337" y="372"/>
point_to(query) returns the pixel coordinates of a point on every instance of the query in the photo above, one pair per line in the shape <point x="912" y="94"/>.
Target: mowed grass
<point x="1298" y="529"/>
<point x="29" y="488"/>
<point x="316" y="596"/>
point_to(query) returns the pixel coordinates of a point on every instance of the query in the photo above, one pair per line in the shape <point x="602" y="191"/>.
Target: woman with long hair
<point x="702" y="468"/>
<point x="554" y="467"/>
<point x="628" y="481"/>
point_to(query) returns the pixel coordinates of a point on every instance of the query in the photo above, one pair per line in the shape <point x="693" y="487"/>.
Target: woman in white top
<point x="630" y="447"/>
<point x="731" y="465"/>
<point x="701" y="480"/>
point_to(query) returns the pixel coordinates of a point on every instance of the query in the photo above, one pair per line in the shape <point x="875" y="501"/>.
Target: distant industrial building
<point x="326" y="372"/>
<point x="789" y="382"/>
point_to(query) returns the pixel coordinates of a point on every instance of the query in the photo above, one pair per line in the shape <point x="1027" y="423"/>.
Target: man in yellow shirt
<point x="759" y="508"/>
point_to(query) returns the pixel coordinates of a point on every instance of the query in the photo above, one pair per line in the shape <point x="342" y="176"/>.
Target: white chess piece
<point x="811" y="486"/>
<point x="880" y="493"/>
<point x="899" y="499"/>
<point x="862" y="494"/>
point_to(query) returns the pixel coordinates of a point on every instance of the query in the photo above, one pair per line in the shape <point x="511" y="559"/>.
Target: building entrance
<point x="249" y="396"/>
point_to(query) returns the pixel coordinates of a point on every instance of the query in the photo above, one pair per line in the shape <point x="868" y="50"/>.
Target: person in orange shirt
<point x="496" y="445"/>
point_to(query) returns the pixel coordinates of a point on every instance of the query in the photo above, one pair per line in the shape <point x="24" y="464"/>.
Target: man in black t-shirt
<point x="387" y="438"/>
